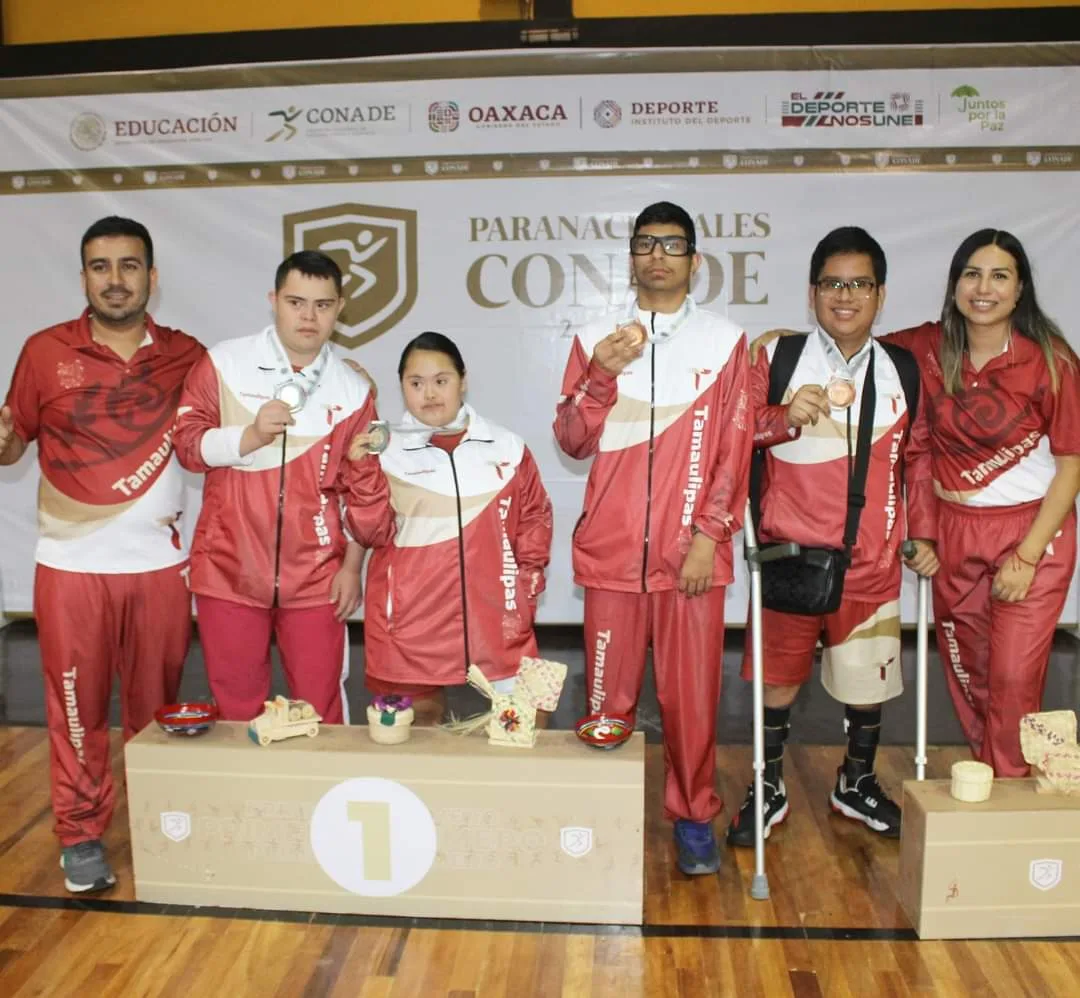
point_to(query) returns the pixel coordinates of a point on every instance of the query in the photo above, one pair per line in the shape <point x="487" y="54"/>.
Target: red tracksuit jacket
<point x="236" y="553"/>
<point x="460" y="581"/>
<point x="671" y="438"/>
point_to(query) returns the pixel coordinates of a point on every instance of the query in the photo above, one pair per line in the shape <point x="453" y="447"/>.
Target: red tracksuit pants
<point x="995" y="654"/>
<point x="91" y="627"/>
<point x="687" y="639"/>
<point x="236" y="647"/>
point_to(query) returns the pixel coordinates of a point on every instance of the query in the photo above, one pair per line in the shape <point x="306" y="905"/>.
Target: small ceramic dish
<point x="187" y="718"/>
<point x="604" y="731"/>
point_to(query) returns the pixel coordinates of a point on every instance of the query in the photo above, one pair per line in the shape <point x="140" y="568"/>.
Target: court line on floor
<point x="650" y="931"/>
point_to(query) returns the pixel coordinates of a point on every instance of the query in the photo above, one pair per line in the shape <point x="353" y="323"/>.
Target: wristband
<point x="1023" y="561"/>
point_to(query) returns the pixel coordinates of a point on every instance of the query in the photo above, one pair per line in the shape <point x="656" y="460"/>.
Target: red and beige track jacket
<point x="458" y="584"/>
<point x="271" y="534"/>
<point x="994" y="442"/>
<point x="805" y="482"/>
<point x="671" y="439"/>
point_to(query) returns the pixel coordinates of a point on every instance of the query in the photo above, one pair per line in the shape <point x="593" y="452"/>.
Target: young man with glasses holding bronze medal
<point x="657" y="395"/>
<point x="842" y="438"/>
<point x="269" y="419"/>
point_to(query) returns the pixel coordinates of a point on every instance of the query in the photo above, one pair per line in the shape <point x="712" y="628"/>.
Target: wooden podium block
<point x="441" y="826"/>
<point x="1005" y="867"/>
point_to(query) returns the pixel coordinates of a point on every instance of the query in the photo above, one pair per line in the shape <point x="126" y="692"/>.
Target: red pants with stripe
<point x="236" y="647"/>
<point x="91" y="627"/>
<point x="687" y="639"/>
<point x="994" y="653"/>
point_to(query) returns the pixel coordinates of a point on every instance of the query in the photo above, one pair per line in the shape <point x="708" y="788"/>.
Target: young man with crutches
<point x="840" y="442"/>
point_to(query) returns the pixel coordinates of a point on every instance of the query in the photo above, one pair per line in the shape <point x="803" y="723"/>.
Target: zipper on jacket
<point x="461" y="560"/>
<point x="280" y="520"/>
<point x="652" y="432"/>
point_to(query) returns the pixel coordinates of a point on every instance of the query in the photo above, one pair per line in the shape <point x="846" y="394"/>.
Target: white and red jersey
<point x="111" y="491"/>
<point x="267" y="538"/>
<point x="804" y="496"/>
<point x="458" y="584"/>
<point x="995" y="441"/>
<point x="671" y="439"/>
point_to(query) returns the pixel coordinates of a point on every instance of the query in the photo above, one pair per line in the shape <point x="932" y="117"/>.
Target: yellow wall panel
<point x="29" y="21"/>
<point x="674" y="8"/>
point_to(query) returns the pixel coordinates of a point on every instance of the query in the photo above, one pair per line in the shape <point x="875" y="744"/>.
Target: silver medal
<point x="293" y="394"/>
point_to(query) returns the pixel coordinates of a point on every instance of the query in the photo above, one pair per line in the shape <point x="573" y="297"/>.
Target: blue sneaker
<point x="697" y="848"/>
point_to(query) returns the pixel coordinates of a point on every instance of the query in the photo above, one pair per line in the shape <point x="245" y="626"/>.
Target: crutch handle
<point x="908" y="549"/>
<point x="774" y="553"/>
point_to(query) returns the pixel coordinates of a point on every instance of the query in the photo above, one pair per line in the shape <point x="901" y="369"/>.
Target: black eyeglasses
<point x="672" y="245"/>
<point x="860" y="287"/>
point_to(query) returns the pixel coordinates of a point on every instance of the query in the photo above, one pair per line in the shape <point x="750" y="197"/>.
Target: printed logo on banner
<point x="443" y="116"/>
<point x="694" y="113"/>
<point x="288" y="129"/>
<point x="989" y="113"/>
<point x="840" y="109"/>
<point x="607" y="114"/>
<point x="1033" y="158"/>
<point x="88" y="131"/>
<point x="335" y="119"/>
<point x="376" y="248"/>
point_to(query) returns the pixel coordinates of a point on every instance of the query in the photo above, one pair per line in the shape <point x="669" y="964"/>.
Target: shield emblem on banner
<point x="576" y="842"/>
<point x="881" y="160"/>
<point x="431" y="167"/>
<point x="375" y="248"/>
<point x="730" y="161"/>
<point x="1045" y="873"/>
<point x="175" y="825"/>
<point x="1034" y="158"/>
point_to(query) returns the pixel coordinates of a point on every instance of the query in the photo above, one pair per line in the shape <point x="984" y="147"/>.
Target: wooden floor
<point x="832" y="926"/>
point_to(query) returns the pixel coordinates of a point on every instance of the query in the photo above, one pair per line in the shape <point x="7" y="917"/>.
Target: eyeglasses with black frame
<point x="833" y="287"/>
<point x="672" y="245"/>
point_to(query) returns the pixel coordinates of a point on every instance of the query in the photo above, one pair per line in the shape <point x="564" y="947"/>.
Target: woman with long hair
<point x="1004" y="403"/>
<point x="458" y="584"/>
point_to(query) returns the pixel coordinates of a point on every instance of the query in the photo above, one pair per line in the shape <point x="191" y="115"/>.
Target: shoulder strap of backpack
<point x="908" y="369"/>
<point x="781" y="368"/>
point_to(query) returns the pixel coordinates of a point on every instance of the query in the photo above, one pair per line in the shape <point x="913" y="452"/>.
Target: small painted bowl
<point x="604" y="731"/>
<point x="187" y="718"/>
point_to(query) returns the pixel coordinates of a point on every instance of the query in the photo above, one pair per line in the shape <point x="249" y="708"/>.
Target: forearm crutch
<point x="759" y="886"/>
<point x="921" y="657"/>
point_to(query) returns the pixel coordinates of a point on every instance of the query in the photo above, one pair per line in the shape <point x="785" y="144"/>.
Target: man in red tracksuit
<point x="99" y="394"/>
<point x="810" y="440"/>
<point x="657" y="394"/>
<point x="269" y="419"/>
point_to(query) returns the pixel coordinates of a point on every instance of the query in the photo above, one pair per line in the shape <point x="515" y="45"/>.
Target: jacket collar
<point x="478" y="429"/>
<point x="665" y="324"/>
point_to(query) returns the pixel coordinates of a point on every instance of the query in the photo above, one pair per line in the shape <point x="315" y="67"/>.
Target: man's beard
<point x="122" y="313"/>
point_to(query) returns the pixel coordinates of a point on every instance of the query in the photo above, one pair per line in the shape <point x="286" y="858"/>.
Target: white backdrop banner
<point x="497" y="211"/>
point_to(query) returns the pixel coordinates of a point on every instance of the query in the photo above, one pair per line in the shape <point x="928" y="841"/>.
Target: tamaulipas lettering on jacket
<point x="128" y="485"/>
<point x="694" y="481"/>
<point x="509" y="563"/>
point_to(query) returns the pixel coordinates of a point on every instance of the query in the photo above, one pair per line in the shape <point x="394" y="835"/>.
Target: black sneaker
<point x="86" y="870"/>
<point x="741" y="830"/>
<point x="865" y="801"/>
